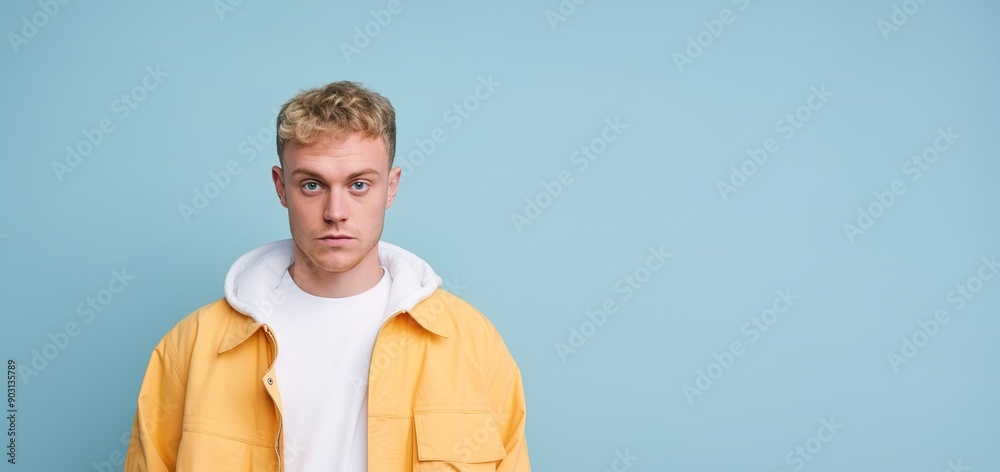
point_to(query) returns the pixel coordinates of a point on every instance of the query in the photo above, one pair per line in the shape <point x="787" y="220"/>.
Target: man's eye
<point x="311" y="186"/>
<point x="362" y="184"/>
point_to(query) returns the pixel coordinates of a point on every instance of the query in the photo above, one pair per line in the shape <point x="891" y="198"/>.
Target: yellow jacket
<point x="444" y="392"/>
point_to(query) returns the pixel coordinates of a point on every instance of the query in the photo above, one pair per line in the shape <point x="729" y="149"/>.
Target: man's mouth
<point x="336" y="239"/>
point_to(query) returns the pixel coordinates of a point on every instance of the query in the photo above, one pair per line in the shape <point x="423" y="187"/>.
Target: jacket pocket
<point x="211" y="444"/>
<point x="457" y="439"/>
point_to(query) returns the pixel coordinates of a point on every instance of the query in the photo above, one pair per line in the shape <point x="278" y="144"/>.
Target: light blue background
<point x="656" y="184"/>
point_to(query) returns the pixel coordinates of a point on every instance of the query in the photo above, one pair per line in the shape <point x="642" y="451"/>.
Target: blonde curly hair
<point x="335" y="111"/>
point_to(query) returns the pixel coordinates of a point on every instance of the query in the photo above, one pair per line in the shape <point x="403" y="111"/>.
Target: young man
<point x="332" y="350"/>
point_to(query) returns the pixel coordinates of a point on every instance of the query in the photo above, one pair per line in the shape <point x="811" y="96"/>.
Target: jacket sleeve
<point x="506" y="396"/>
<point x="156" y="431"/>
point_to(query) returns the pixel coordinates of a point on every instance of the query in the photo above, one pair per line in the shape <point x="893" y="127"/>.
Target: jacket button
<point x="270" y="381"/>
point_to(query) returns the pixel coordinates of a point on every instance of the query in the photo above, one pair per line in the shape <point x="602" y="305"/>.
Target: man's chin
<point x="341" y="262"/>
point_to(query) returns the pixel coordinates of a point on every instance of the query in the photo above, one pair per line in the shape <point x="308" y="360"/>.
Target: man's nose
<point x="336" y="206"/>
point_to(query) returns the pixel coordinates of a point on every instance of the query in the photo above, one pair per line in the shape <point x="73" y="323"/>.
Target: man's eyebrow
<point x="354" y="175"/>
<point x="360" y="173"/>
<point x="305" y="171"/>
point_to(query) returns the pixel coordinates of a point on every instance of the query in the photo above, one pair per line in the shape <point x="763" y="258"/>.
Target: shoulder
<point x="467" y="325"/>
<point x="203" y="328"/>
<point x="212" y="317"/>
<point x="462" y="316"/>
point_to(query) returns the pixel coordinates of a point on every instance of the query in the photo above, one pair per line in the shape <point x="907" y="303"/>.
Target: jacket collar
<point x="251" y="281"/>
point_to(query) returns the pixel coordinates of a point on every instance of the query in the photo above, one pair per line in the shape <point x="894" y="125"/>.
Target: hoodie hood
<point x="252" y="279"/>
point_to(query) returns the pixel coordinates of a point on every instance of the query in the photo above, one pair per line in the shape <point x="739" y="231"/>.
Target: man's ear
<point x="394" y="174"/>
<point x="278" y="176"/>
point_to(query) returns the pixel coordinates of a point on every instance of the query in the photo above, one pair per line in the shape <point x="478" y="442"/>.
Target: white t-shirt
<point x="324" y="352"/>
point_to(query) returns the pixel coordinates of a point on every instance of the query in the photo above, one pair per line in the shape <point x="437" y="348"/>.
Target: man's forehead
<point x="333" y="169"/>
<point x="336" y="141"/>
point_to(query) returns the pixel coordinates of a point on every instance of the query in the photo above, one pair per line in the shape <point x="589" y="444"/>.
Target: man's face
<point x="336" y="189"/>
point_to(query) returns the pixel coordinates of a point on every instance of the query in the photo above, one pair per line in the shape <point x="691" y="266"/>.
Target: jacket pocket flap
<point x="224" y="429"/>
<point x="458" y="436"/>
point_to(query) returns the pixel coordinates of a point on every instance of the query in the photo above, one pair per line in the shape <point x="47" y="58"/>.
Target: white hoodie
<point x="327" y="344"/>
<point x="251" y="280"/>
